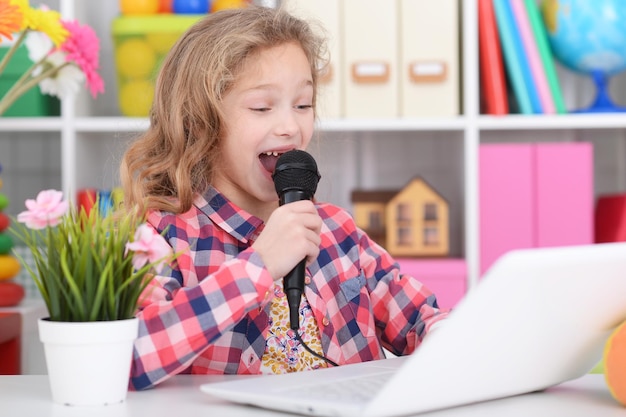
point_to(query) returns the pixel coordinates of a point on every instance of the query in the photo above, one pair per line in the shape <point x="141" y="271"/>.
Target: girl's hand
<point x="291" y="234"/>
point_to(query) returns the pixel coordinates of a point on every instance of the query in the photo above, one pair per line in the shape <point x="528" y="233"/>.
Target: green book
<point x="511" y="51"/>
<point x="541" y="37"/>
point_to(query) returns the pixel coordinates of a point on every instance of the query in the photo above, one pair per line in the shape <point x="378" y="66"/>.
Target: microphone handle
<point x="293" y="285"/>
<point x="293" y="282"/>
<point x="291" y="196"/>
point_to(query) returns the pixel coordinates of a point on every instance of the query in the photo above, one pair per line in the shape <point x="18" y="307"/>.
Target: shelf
<point x="31" y="124"/>
<point x="508" y="122"/>
<point x="85" y="124"/>
<point x="561" y="122"/>
<point x="111" y="124"/>
<point x="399" y="124"/>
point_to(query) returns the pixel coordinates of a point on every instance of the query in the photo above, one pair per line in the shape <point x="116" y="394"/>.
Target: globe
<point x="589" y="37"/>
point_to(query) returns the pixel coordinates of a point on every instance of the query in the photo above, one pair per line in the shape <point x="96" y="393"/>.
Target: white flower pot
<point x="88" y="362"/>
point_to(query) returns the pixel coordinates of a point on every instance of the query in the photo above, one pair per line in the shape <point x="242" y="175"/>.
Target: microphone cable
<point x="311" y="351"/>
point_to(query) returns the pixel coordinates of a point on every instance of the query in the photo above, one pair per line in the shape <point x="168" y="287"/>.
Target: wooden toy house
<point x="412" y="221"/>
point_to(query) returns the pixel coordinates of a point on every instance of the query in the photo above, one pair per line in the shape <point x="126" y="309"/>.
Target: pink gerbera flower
<point x="47" y="210"/>
<point x="83" y="47"/>
<point x="148" y="247"/>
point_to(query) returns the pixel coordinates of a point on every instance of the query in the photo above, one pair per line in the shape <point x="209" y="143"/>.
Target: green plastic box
<point x="32" y="103"/>
<point x="141" y="43"/>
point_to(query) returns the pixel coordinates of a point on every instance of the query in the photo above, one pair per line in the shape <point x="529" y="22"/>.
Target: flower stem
<point x="12" y="50"/>
<point x="23" y="85"/>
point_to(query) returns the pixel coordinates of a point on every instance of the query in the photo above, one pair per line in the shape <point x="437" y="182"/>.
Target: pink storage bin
<point x="445" y="277"/>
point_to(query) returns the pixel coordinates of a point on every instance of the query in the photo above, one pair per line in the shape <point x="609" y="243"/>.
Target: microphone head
<point x="296" y="170"/>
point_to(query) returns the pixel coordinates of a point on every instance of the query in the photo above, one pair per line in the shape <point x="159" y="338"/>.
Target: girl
<point x="237" y="91"/>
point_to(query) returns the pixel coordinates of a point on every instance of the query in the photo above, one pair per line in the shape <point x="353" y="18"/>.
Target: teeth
<point x="271" y="153"/>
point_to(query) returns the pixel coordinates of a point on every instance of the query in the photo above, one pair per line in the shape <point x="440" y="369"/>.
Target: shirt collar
<point x="224" y="213"/>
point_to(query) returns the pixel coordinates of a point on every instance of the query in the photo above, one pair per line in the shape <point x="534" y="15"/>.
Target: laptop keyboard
<point x="352" y="389"/>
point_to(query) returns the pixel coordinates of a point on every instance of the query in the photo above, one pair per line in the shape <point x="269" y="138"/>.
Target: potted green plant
<point x="91" y="270"/>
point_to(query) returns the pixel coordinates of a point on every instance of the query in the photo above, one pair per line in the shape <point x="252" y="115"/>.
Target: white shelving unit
<point x="353" y="152"/>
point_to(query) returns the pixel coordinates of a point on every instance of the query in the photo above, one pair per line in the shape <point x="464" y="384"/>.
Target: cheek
<point x="306" y="140"/>
<point x="307" y="133"/>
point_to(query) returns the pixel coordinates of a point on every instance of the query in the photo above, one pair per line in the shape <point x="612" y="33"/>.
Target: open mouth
<point x="268" y="160"/>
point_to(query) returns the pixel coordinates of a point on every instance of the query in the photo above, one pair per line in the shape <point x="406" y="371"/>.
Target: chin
<point x="266" y="193"/>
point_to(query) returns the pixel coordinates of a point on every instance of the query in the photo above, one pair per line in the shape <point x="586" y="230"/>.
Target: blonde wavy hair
<point x="167" y="165"/>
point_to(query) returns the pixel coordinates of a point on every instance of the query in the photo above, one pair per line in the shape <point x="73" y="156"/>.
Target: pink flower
<point x="148" y="247"/>
<point x="82" y="47"/>
<point x="47" y="210"/>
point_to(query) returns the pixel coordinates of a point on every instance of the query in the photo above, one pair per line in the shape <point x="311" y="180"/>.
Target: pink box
<point x="564" y="193"/>
<point x="534" y="195"/>
<point x="445" y="277"/>
<point x="506" y="200"/>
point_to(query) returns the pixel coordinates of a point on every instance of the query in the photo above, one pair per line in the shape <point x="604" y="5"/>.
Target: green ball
<point x="4" y="202"/>
<point x="6" y="243"/>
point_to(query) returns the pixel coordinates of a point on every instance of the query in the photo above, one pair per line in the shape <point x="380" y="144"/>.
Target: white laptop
<point x="539" y="317"/>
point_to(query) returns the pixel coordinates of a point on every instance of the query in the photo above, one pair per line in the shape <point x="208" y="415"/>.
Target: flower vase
<point x="88" y="362"/>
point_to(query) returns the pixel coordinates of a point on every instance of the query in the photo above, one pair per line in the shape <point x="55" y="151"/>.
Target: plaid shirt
<point x="209" y="315"/>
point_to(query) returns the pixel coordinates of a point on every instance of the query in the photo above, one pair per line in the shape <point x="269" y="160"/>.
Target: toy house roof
<point x="384" y="196"/>
<point x="373" y="196"/>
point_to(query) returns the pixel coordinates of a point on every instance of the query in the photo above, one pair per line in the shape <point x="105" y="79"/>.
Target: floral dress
<point x="283" y="352"/>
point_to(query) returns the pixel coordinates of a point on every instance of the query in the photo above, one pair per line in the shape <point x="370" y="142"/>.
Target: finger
<point x="302" y="206"/>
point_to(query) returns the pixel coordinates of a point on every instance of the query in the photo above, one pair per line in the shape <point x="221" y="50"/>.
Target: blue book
<point x="515" y="59"/>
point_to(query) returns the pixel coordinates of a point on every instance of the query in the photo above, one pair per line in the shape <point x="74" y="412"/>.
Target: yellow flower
<point x="25" y="10"/>
<point x="49" y="22"/>
<point x="42" y="20"/>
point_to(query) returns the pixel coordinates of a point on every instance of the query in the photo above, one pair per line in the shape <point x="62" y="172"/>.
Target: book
<point x="511" y="58"/>
<point x="107" y="200"/>
<point x="545" y="53"/>
<point x="515" y="61"/>
<point x="492" y="77"/>
<point x="532" y="53"/>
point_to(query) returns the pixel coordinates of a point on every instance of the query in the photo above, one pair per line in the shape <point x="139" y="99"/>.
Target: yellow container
<point x="141" y="43"/>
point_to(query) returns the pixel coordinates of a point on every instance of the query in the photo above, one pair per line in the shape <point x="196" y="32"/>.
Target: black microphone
<point x="295" y="179"/>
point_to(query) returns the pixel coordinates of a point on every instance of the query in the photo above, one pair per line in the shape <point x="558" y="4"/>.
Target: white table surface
<point x="29" y="396"/>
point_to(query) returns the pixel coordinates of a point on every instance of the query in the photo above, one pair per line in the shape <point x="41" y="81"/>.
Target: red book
<point x="610" y="218"/>
<point x="492" y="77"/>
<point x="86" y="198"/>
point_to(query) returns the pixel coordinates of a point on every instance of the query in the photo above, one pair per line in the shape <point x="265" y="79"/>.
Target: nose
<point x="286" y="123"/>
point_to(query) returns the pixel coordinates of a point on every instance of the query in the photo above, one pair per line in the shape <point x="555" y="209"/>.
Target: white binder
<point x="429" y="58"/>
<point x="370" y="66"/>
